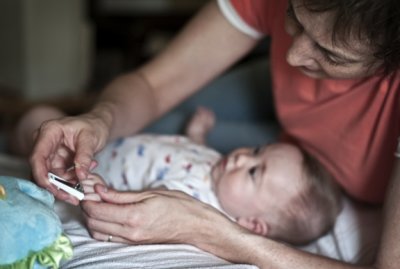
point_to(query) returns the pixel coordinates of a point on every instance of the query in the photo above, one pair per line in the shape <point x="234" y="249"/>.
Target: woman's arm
<point x="266" y="253"/>
<point x="204" y="49"/>
<point x="146" y="217"/>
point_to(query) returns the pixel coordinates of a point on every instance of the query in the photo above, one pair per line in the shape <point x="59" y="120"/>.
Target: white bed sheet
<point x="92" y="254"/>
<point x="354" y="239"/>
<point x="355" y="236"/>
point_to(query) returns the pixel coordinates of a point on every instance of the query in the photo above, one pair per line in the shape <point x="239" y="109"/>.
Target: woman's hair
<point x="374" y="21"/>
<point x="315" y="209"/>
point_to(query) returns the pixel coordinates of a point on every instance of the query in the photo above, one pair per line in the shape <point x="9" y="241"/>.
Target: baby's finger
<point x="88" y="189"/>
<point x="93" y="165"/>
<point x="88" y="182"/>
<point x="92" y="197"/>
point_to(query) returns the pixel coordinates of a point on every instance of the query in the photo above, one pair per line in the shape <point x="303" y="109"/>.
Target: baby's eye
<point x="256" y="150"/>
<point x="252" y="171"/>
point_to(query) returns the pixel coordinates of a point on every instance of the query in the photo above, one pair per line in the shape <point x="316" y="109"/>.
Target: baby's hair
<point x="316" y="207"/>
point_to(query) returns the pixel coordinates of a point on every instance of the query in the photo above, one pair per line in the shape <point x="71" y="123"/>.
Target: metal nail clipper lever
<point x="73" y="189"/>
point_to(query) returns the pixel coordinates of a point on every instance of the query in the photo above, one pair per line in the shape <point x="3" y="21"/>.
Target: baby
<point x="275" y="190"/>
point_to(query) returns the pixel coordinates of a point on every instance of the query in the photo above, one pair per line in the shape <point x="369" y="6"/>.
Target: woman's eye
<point x="332" y="61"/>
<point x="289" y="12"/>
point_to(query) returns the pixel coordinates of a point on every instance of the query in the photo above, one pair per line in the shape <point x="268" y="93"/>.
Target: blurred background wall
<point x="46" y="48"/>
<point x="63" y="52"/>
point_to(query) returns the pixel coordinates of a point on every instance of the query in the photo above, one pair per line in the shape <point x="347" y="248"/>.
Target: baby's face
<point x="251" y="182"/>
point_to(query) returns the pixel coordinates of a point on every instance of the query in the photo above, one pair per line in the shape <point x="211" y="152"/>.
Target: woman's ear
<point x="256" y="225"/>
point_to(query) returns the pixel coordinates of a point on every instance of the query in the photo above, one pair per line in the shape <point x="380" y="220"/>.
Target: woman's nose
<point x="301" y="52"/>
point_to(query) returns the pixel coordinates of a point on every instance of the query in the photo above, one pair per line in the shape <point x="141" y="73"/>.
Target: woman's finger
<point x="109" y="238"/>
<point x="116" y="197"/>
<point x="118" y="214"/>
<point x="101" y="230"/>
<point x="86" y="146"/>
<point x="48" y="141"/>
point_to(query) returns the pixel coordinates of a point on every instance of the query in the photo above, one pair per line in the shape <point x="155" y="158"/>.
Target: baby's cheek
<point x="229" y="198"/>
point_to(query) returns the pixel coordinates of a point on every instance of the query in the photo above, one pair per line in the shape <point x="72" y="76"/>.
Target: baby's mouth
<point x="217" y="172"/>
<point x="223" y="163"/>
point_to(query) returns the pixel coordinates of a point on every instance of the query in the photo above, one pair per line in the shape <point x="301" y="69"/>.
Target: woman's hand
<point x="64" y="143"/>
<point x="156" y="216"/>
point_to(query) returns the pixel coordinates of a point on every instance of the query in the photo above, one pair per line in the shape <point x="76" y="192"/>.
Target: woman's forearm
<point x="244" y="247"/>
<point x="196" y="56"/>
<point x="127" y="105"/>
<point x="226" y="239"/>
<point x="151" y="220"/>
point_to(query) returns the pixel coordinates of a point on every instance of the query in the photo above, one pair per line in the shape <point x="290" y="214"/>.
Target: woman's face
<point x="313" y="52"/>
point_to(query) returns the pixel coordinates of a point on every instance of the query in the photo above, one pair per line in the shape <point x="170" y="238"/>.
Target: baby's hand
<point x="88" y="187"/>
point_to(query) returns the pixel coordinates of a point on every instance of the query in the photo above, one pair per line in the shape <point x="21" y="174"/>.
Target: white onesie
<point x="149" y="161"/>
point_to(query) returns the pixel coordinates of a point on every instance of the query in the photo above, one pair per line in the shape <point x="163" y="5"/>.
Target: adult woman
<point x="355" y="115"/>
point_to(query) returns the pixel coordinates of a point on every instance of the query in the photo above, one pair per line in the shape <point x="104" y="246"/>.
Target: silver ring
<point x="109" y="238"/>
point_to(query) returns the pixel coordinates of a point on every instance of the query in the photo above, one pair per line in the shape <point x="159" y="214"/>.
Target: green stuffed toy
<point x="30" y="230"/>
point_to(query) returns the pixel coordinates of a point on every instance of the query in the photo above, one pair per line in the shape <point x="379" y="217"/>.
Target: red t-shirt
<point x="350" y="126"/>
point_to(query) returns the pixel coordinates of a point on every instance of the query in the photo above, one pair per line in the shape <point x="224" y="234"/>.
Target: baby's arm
<point x="88" y="187"/>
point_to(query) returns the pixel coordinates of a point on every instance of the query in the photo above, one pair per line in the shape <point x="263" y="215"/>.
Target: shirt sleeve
<point x="252" y="17"/>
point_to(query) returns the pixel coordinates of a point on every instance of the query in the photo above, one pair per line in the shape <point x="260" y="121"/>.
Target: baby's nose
<point x="244" y="159"/>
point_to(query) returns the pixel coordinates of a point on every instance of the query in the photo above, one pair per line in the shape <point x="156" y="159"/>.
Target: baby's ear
<point x="256" y="225"/>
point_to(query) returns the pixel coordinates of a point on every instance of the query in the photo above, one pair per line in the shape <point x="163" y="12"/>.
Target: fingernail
<point x="93" y="165"/>
<point x="72" y="201"/>
<point x="102" y="188"/>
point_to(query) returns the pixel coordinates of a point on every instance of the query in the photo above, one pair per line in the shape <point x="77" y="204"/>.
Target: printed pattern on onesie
<point x="149" y="161"/>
